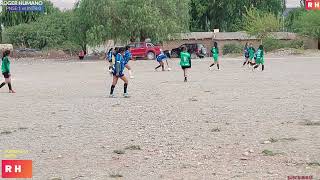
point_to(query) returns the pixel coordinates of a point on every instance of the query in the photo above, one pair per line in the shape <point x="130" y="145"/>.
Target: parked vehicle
<point x="144" y="50"/>
<point x="195" y="49"/>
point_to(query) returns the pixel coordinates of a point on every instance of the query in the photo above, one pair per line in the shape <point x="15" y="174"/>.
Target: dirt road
<point x="228" y="124"/>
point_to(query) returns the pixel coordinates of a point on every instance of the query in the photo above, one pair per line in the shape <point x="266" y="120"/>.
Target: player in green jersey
<point x="5" y="68"/>
<point x="215" y="54"/>
<point x="185" y="62"/>
<point x="259" y="58"/>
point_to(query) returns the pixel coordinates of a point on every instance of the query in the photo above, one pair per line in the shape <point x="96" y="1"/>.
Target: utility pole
<point x="284" y="3"/>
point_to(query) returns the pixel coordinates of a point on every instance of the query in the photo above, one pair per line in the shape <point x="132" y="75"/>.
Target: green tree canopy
<point x="308" y="24"/>
<point x="51" y="31"/>
<point x="127" y="19"/>
<point x="227" y="15"/>
<point x="16" y="18"/>
<point x="261" y="24"/>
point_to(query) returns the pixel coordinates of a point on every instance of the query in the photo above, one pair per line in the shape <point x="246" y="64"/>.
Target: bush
<point x="52" y="31"/>
<point x="297" y="44"/>
<point x="271" y="44"/>
<point x="232" y="49"/>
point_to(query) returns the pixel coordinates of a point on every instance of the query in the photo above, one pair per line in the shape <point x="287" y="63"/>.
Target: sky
<point x="63" y="4"/>
<point x="67" y="4"/>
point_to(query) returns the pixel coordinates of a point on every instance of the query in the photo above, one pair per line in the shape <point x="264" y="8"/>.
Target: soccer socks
<point x="10" y="87"/>
<point x="218" y="66"/>
<point x="256" y="66"/>
<point x="244" y="63"/>
<point x="112" y="89"/>
<point x="185" y="79"/>
<point x="158" y="67"/>
<point x="262" y="67"/>
<point x="125" y="87"/>
<point x="212" y="65"/>
<point x="2" y="84"/>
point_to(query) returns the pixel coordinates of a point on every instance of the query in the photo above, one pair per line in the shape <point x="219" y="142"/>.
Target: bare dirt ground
<point x="228" y="124"/>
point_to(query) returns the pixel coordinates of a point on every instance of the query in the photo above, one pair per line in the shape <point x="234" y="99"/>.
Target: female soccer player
<point x="215" y="54"/>
<point x="246" y="54"/>
<point x="110" y="58"/>
<point x="160" y="58"/>
<point x="118" y="72"/>
<point x="259" y="58"/>
<point x="252" y="51"/>
<point x="127" y="58"/>
<point x="5" y="67"/>
<point x="185" y="62"/>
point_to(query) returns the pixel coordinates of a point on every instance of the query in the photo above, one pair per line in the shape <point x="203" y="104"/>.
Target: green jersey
<point x="5" y="67"/>
<point x="260" y="54"/>
<point x="215" y="51"/>
<point x="185" y="59"/>
<point x="251" y="52"/>
<point x="260" y="57"/>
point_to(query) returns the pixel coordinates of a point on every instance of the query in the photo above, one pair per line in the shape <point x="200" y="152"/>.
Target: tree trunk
<point x="143" y="36"/>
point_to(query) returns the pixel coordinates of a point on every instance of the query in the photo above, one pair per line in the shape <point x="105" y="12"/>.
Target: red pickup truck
<point x="144" y="50"/>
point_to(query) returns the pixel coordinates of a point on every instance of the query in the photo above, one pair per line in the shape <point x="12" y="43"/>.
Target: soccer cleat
<point x="112" y="96"/>
<point x="131" y="77"/>
<point x="169" y="69"/>
<point x="126" y="95"/>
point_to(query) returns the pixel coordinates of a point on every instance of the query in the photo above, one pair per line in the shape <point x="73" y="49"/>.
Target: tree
<point x="308" y="24"/>
<point x="8" y="19"/>
<point x="127" y="19"/>
<point x="292" y="16"/>
<point x="11" y="19"/>
<point x="51" y="31"/>
<point x="227" y="15"/>
<point x="261" y="24"/>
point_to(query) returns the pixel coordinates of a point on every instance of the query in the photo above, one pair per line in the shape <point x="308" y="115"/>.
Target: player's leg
<point x="125" y="86"/>
<point x="162" y="65"/>
<point x="262" y="63"/>
<point x="169" y="69"/>
<point x="158" y="66"/>
<point x="245" y="62"/>
<point x="8" y="82"/>
<point x="130" y="71"/>
<point x="185" y="74"/>
<point x="114" y="83"/>
<point x="2" y="84"/>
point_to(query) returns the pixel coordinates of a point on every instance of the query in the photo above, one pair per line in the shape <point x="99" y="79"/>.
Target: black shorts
<point x="6" y="75"/>
<point x="185" y="67"/>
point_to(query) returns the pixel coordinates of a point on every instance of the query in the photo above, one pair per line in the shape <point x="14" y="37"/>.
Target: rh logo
<point x="16" y="169"/>
<point x="313" y="4"/>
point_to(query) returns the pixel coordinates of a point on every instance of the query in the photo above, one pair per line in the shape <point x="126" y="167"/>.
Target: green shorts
<point x="215" y="58"/>
<point x="260" y="61"/>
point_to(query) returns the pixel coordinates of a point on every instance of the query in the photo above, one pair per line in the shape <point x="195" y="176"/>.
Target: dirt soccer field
<point x="228" y="124"/>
